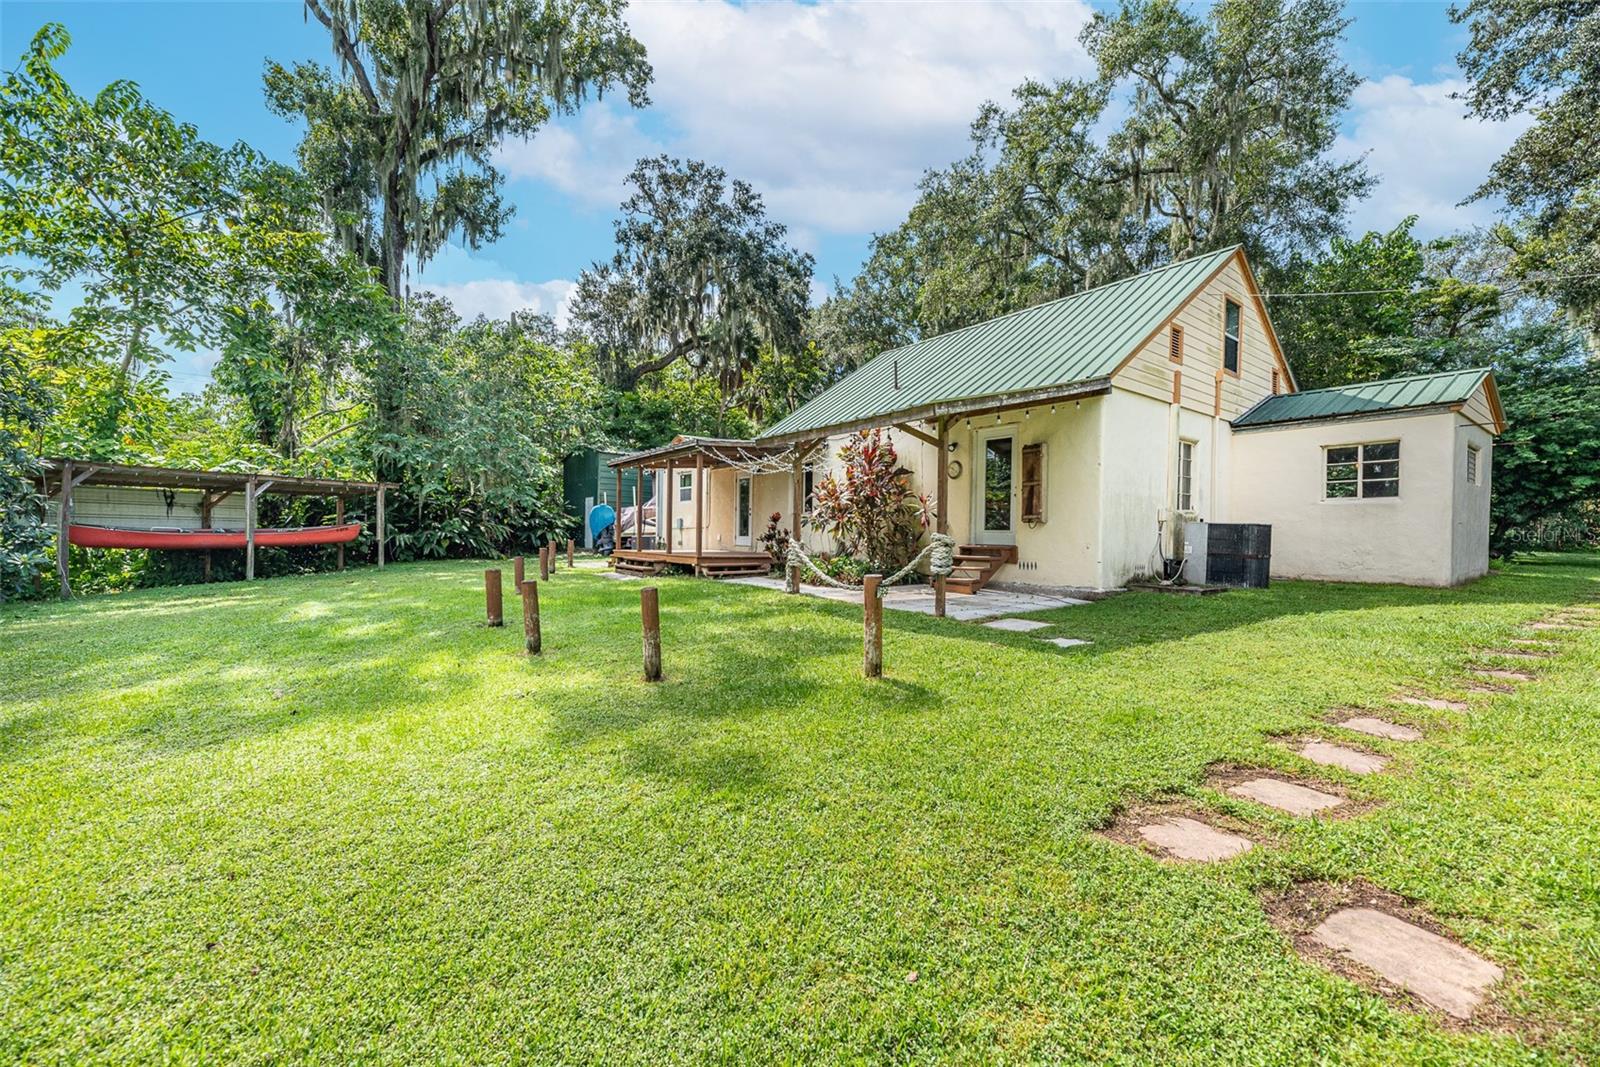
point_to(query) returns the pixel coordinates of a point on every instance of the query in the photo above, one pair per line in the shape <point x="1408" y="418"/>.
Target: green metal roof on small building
<point x="1079" y="338"/>
<point x="1366" y="398"/>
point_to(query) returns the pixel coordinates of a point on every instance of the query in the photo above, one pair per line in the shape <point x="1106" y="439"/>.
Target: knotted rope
<point x="940" y="552"/>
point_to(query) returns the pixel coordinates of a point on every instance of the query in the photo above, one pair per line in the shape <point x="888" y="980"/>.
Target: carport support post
<point x="872" y="607"/>
<point x="532" y="640"/>
<point x="338" y="520"/>
<point x="382" y="490"/>
<point x="63" y="540"/>
<point x="650" y="618"/>
<point x="250" y="530"/>
<point x="491" y="597"/>
<point x="940" y="510"/>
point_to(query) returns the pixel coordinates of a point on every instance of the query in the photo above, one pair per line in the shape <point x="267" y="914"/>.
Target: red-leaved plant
<point x="869" y="507"/>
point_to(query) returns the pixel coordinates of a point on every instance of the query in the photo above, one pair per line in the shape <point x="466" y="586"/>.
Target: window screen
<point x="1362" y="471"/>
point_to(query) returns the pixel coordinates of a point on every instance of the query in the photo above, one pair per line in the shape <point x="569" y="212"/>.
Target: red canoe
<point x="114" y="537"/>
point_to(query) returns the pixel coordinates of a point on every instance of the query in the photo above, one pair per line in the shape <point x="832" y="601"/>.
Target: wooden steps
<point x="642" y="569"/>
<point x="736" y="568"/>
<point x="976" y="565"/>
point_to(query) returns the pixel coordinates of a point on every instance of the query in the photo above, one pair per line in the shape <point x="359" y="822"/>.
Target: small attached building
<point x="1379" y="482"/>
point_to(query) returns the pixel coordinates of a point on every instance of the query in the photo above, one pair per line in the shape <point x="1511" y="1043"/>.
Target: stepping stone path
<point x="1433" y="969"/>
<point x="1350" y="759"/>
<point x="1505" y="675"/>
<point x="1517" y="653"/>
<point x="1017" y="626"/>
<point x="1183" y="838"/>
<point x="1366" y="724"/>
<point x="1435" y="703"/>
<point x="1551" y="626"/>
<point x="1068" y="642"/>
<point x="1285" y="796"/>
<point x="1489" y="690"/>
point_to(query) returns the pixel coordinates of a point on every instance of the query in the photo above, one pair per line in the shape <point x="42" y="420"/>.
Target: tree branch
<point x="347" y="52"/>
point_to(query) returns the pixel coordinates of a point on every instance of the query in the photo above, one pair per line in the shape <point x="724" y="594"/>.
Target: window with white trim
<point x="1232" y="316"/>
<point x="1185" y="501"/>
<point x="685" y="487"/>
<point x="1364" y="471"/>
<point x="1472" y="465"/>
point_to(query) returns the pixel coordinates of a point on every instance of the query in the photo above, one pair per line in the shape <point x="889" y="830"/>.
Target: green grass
<point x="339" y="819"/>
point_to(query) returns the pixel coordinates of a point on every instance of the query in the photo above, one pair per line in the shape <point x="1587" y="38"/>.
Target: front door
<point x="995" y="510"/>
<point x="741" y="531"/>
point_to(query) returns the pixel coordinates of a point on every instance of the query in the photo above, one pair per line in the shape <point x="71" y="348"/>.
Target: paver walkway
<point x="1439" y="972"/>
<point x="963" y="607"/>
<point x="1189" y="839"/>
<point x="1394" y="731"/>
<point x="1350" y="759"/>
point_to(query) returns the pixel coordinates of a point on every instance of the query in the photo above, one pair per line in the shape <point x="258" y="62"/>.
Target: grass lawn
<point x="339" y="819"/>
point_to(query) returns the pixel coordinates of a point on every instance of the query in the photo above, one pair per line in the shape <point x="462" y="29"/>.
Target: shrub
<point x="870" y="509"/>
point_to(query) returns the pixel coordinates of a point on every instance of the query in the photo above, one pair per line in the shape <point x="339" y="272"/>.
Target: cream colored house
<point x="1069" y="446"/>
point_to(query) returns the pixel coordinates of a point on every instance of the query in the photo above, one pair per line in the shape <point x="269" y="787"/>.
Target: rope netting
<point x="940" y="552"/>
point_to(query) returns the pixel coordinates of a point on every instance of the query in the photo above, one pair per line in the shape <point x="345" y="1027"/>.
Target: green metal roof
<point x="1367" y="398"/>
<point x="1078" y="338"/>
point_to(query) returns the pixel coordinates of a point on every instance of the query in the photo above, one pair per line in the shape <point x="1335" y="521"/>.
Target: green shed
<point x="587" y="481"/>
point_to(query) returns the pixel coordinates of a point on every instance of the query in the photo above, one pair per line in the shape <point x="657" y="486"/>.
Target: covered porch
<point x="705" y="514"/>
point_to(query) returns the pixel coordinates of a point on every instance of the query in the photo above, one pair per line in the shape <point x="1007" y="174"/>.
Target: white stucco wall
<point x="1424" y="536"/>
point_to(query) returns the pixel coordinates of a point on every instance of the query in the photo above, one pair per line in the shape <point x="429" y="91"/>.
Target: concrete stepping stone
<point x="1350" y="759"/>
<point x="1285" y="796"/>
<point x="1016" y="626"/>
<point x="1433" y="969"/>
<point x="1488" y="690"/>
<point x="1517" y="653"/>
<point x="1550" y="626"/>
<point x="1375" y="727"/>
<point x="1435" y="703"/>
<point x="1536" y="642"/>
<point x="1183" y="838"/>
<point x="1503" y="674"/>
<point x="1068" y="642"/>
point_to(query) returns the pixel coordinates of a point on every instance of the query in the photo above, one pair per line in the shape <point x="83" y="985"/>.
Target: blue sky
<point x="832" y="110"/>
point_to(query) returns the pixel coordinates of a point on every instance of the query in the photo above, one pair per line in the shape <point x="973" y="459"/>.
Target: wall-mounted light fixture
<point x="952" y="446"/>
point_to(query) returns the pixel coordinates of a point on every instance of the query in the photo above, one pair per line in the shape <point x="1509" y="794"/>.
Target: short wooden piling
<point x="570" y="547"/>
<point x="533" y="641"/>
<point x="938" y="596"/>
<point x="517" y="576"/>
<point x="491" y="597"/>
<point x="650" y="617"/>
<point x="544" y="564"/>
<point x="872" y="609"/>
<point x="791" y="578"/>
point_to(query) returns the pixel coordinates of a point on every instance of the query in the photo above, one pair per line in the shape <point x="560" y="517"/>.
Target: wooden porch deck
<point x="719" y="564"/>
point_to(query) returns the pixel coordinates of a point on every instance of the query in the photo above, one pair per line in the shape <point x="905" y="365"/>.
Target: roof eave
<point x="949" y="409"/>
<point x="1346" y="416"/>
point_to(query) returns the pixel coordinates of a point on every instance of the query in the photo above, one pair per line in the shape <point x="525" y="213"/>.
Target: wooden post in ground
<point x="570" y="547"/>
<point x="338" y="519"/>
<point x="941" y="510"/>
<point x="517" y="577"/>
<point x="650" y="617"/>
<point x="533" y="641"/>
<point x="491" y="597"/>
<point x="791" y="578"/>
<point x="544" y="563"/>
<point x="382" y="490"/>
<point x="63" y="537"/>
<point x="872" y="607"/>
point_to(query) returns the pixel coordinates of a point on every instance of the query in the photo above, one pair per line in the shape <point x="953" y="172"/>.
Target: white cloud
<point x="1427" y="152"/>
<point x="497" y="298"/>
<point x="832" y="110"/>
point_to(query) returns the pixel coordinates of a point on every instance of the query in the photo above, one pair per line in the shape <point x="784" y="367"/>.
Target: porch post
<point x="638" y="508"/>
<point x="250" y="530"/>
<point x="941" y="510"/>
<point x="699" y="509"/>
<point x="63" y="540"/>
<point x="672" y="491"/>
<point x="616" y="521"/>
<point x="338" y="519"/>
<point x="382" y="492"/>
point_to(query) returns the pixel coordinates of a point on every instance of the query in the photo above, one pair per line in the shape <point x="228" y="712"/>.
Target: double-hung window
<point x="1185" y="499"/>
<point x="1231" y="325"/>
<point x="1362" y="471"/>
<point x="685" y="487"/>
